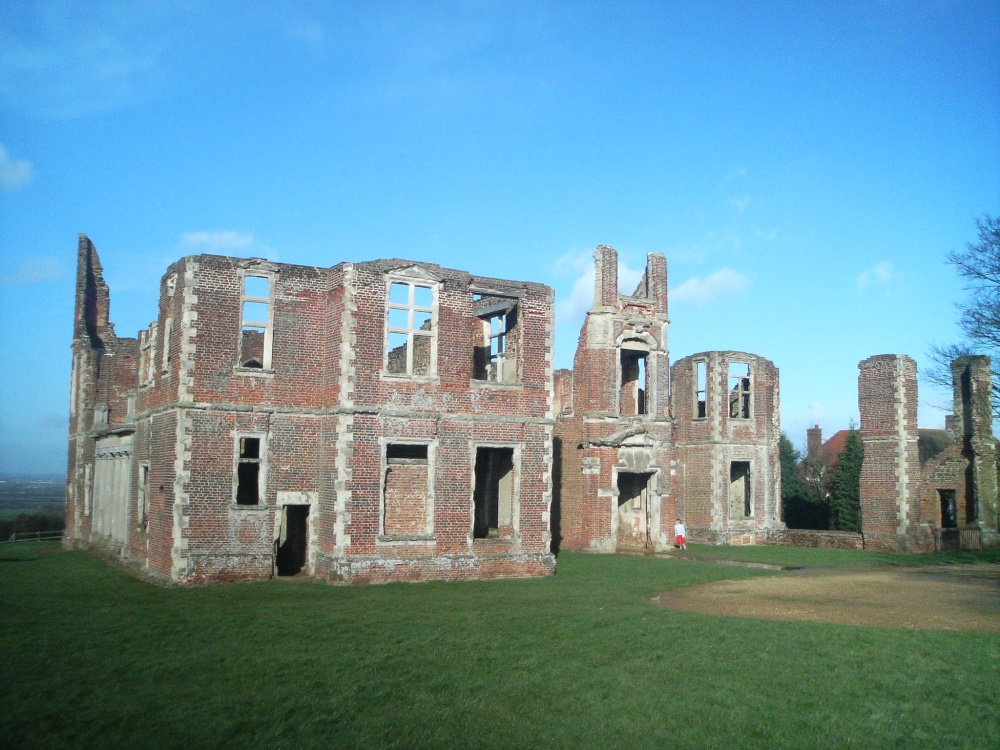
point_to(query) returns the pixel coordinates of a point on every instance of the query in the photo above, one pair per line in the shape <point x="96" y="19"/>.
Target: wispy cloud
<point x="737" y="174"/>
<point x="739" y="203"/>
<point x="14" y="173"/>
<point x="726" y="282"/>
<point x="580" y="264"/>
<point x="66" y="59"/>
<point x="712" y="243"/>
<point x="220" y="239"/>
<point x="34" y="271"/>
<point x="310" y="34"/>
<point x="882" y="276"/>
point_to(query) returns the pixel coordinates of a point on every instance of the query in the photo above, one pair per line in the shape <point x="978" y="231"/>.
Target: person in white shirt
<point x="679" y="532"/>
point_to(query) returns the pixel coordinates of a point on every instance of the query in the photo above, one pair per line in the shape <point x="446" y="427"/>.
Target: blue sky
<point x="805" y="167"/>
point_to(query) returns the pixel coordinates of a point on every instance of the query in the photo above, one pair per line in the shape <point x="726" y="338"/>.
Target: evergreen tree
<point x="802" y="506"/>
<point x="845" y="495"/>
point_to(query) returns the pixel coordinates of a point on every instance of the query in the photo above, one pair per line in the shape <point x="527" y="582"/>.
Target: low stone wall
<point x="813" y="538"/>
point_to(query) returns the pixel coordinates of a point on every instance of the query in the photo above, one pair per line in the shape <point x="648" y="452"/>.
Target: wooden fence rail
<point x="34" y="536"/>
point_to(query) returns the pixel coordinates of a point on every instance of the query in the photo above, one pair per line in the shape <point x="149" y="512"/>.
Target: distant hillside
<point x="31" y="493"/>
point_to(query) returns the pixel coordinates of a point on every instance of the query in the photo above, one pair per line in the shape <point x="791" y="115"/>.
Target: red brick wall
<point x="324" y="416"/>
<point x="890" y="473"/>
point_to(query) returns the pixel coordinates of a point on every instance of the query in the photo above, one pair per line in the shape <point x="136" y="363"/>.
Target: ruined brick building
<point x="374" y="421"/>
<point x="918" y="501"/>
<point x="639" y="443"/>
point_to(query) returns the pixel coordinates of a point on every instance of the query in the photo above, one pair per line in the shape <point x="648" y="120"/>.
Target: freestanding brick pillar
<point x="890" y="473"/>
<point x="973" y="408"/>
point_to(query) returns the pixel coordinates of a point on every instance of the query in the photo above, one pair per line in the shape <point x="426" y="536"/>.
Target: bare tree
<point x="979" y="266"/>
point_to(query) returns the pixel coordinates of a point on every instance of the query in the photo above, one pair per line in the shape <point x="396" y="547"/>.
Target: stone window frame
<point x="636" y="339"/>
<point x="168" y="329"/>
<point x="748" y="391"/>
<point x="142" y="490"/>
<point x="147" y="355"/>
<point x="261" y="461"/>
<point x="413" y="277"/>
<point x="515" y="499"/>
<point x="428" y="535"/>
<point x="263" y="270"/>
<point x="510" y="375"/>
<point x="699" y="367"/>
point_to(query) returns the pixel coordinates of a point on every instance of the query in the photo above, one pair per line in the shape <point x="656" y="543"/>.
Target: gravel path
<point x="944" y="597"/>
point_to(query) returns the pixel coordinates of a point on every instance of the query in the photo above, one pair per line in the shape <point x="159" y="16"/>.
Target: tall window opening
<point x="406" y="490"/>
<point x="634" y="386"/>
<point x="147" y="354"/>
<point x="248" y="474"/>
<point x="255" y="334"/>
<point x="949" y="509"/>
<point x="740" y="495"/>
<point x="167" y="331"/>
<point x="144" y="494"/>
<point x="700" y="391"/>
<point x="739" y="390"/>
<point x="495" y="348"/>
<point x="493" y="497"/>
<point x="410" y="329"/>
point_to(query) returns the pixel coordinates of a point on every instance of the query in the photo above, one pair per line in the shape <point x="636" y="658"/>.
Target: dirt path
<point x="946" y="597"/>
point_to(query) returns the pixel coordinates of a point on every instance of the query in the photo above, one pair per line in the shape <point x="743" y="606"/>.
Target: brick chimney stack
<point x="814" y="441"/>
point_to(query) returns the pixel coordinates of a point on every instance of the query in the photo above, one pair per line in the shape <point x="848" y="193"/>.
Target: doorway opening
<point x="493" y="499"/>
<point x="290" y="547"/>
<point x="740" y="495"/>
<point x="949" y="509"/>
<point x="633" y="510"/>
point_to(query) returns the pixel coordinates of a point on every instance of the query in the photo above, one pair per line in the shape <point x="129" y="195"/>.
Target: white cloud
<point x="35" y="271"/>
<point x="712" y="243"/>
<point x="882" y="275"/>
<point x="14" y="173"/>
<point x="70" y="59"/>
<point x="308" y="33"/>
<point x="220" y="239"/>
<point x="725" y="282"/>
<point x="739" y="203"/>
<point x="570" y="310"/>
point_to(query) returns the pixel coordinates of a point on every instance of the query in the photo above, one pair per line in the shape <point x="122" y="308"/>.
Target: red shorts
<point x="680" y="539"/>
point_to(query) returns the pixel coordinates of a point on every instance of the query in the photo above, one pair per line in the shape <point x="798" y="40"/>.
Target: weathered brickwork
<point x="635" y="450"/>
<point x="261" y="425"/>
<point x="726" y="405"/>
<point x="890" y="492"/>
<point x="905" y="506"/>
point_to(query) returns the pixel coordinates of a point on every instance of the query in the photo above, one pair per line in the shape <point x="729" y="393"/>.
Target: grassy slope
<point x="92" y="657"/>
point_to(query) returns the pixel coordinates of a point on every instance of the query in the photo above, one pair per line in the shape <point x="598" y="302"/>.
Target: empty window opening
<point x="406" y="490"/>
<point x="740" y="494"/>
<point x="633" y="509"/>
<point x="167" y="331"/>
<point x="255" y="349"/>
<point x="248" y="472"/>
<point x="147" y="354"/>
<point x="739" y="390"/>
<point x="493" y="498"/>
<point x="143" y="494"/>
<point x="495" y="348"/>
<point x="700" y="390"/>
<point x="634" y="385"/>
<point x="290" y="547"/>
<point x="971" y="511"/>
<point x="409" y="329"/>
<point x="949" y="509"/>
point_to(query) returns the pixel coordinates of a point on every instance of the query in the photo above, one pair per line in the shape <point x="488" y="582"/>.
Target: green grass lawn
<point x="90" y="657"/>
